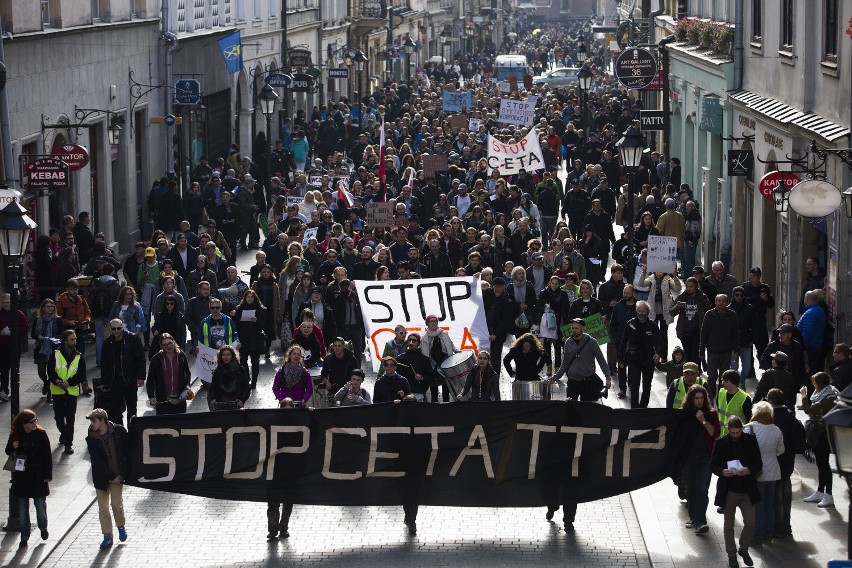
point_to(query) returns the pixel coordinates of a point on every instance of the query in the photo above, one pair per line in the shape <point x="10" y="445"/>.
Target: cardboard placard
<point x="433" y="163"/>
<point x="459" y="121"/>
<point x="595" y="327"/>
<point x="662" y="254"/>
<point x="379" y="214"/>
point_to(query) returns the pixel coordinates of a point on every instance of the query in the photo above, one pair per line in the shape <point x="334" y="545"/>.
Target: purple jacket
<point x="302" y="391"/>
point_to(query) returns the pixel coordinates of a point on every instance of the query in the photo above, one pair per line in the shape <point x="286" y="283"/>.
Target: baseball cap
<point x="693" y="367"/>
<point x="141" y="244"/>
<point x="699" y="269"/>
<point x="499" y="281"/>
<point x="785" y="328"/>
<point x="581" y="321"/>
<point x="670" y="202"/>
<point x="537" y="256"/>
<point x="780" y="356"/>
<point x="150" y="252"/>
<point x="755" y="270"/>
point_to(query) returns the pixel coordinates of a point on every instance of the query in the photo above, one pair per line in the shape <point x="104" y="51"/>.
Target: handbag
<point x="10" y="462"/>
<point x="814" y="431"/>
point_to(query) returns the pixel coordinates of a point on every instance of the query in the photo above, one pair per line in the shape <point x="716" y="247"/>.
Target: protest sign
<point x="456" y="101"/>
<point x="517" y="112"/>
<point x="378" y="214"/>
<point x="294" y="200"/>
<point x="205" y="363"/>
<point x="434" y="163"/>
<point x="459" y="121"/>
<point x="473" y="125"/>
<point x="662" y="254"/>
<point x="456" y="302"/>
<point x="509" y="159"/>
<point x="309" y="234"/>
<point x="595" y="327"/>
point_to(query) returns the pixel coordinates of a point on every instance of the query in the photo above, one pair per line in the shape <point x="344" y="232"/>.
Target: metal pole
<point x="13" y="523"/>
<point x="268" y="152"/>
<point x="7" y="171"/>
<point x="630" y="227"/>
<point x="285" y="60"/>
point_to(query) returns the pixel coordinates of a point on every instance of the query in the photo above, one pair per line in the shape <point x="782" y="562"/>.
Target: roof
<point x="786" y="114"/>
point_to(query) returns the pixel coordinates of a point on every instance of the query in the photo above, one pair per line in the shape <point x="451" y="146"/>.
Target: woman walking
<point x="32" y="470"/>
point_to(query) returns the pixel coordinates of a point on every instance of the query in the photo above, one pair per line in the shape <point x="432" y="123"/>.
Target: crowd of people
<point x="541" y="246"/>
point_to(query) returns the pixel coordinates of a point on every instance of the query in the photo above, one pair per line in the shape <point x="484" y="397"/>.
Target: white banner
<point x="309" y="234"/>
<point x="205" y="363"/>
<point x="456" y="302"/>
<point x="662" y="254"/>
<point x="517" y="112"/>
<point x="511" y="158"/>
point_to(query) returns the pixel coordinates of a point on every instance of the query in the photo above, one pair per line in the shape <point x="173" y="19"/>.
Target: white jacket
<point x="670" y="289"/>
<point x="770" y="440"/>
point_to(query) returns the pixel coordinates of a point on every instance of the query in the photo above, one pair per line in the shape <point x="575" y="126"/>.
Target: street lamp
<point x="630" y="148"/>
<point x="409" y="47"/>
<point x="847" y="201"/>
<point x="584" y="77"/>
<point x="268" y="99"/>
<point x="443" y="39"/>
<point x="779" y="195"/>
<point x="360" y="61"/>
<point x="839" y="422"/>
<point x="581" y="53"/>
<point x="114" y="130"/>
<point x="15" y="228"/>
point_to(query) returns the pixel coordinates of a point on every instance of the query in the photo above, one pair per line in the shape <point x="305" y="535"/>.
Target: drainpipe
<point x="171" y="43"/>
<point x="667" y="107"/>
<point x="738" y="45"/>
<point x="8" y="167"/>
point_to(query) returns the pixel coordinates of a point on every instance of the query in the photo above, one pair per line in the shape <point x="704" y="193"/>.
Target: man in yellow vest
<point x="732" y="401"/>
<point x="66" y="370"/>
<point x="677" y="390"/>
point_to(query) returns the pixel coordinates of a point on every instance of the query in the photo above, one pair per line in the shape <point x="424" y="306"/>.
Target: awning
<point x="786" y="114"/>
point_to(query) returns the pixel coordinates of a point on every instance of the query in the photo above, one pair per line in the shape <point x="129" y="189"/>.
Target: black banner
<point x="505" y="454"/>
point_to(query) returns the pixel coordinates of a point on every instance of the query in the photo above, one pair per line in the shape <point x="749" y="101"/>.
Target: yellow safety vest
<point x="728" y="408"/>
<point x="65" y="371"/>
<point x="680" y="393"/>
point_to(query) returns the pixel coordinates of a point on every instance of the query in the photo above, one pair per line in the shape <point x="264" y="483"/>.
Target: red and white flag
<point x="383" y="194"/>
<point x="344" y="195"/>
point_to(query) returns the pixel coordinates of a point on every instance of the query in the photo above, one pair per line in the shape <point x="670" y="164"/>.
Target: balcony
<point x="372" y="10"/>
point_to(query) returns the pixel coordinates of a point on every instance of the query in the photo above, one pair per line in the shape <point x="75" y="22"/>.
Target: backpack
<point x="101" y="299"/>
<point x="798" y="438"/>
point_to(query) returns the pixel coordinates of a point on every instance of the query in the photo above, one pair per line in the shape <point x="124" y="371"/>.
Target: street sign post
<point x="636" y="68"/>
<point x="187" y="92"/>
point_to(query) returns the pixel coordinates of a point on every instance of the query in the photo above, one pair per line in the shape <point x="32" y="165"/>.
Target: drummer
<point x="437" y="345"/>
<point x="529" y="358"/>
<point x="417" y="368"/>
<point x="480" y="381"/>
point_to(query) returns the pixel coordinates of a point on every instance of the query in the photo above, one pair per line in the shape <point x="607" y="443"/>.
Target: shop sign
<point x="814" y="198"/>
<point x="740" y="163"/>
<point x="75" y="155"/>
<point x="773" y="179"/>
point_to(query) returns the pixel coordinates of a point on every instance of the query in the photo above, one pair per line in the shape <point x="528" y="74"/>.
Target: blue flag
<point x="232" y="51"/>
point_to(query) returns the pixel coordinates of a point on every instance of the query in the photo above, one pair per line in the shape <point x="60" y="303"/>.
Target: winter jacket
<point x="812" y="325"/>
<point x="230" y="383"/>
<point x="675" y="310"/>
<point x="500" y="313"/>
<point x="747" y="321"/>
<point x="33" y="481"/>
<point x="72" y="310"/>
<point x="102" y="471"/>
<point x="122" y="360"/>
<point x="720" y="332"/>
<point x="744" y="449"/>
<point x="670" y="288"/>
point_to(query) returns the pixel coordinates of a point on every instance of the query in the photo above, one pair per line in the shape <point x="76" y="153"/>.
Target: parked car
<point x="559" y="77"/>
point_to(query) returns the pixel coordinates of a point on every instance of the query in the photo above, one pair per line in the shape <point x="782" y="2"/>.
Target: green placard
<point x="595" y="327"/>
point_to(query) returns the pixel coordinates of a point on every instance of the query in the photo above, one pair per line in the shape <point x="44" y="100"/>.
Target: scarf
<point x="426" y="346"/>
<point x="292" y="375"/>
<point x="824" y="393"/>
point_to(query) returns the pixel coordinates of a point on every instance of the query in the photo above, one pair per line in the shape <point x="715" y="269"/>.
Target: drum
<point x="530" y="390"/>
<point x="320" y="396"/>
<point x="455" y="368"/>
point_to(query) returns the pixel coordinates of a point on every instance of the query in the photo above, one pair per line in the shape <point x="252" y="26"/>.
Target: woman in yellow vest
<point x="732" y="400"/>
<point x="66" y="369"/>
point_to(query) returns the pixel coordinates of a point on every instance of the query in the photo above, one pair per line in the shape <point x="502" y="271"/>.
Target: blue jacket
<point x="812" y="326"/>
<point x="132" y="316"/>
<point x="621" y="314"/>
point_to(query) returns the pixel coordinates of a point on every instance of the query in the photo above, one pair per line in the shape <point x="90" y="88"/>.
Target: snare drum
<point x="456" y="368"/>
<point x="530" y="390"/>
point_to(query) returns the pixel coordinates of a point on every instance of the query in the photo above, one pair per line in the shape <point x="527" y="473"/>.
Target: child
<point x="673" y="368"/>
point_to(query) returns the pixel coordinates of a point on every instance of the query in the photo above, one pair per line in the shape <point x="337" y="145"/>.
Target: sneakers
<point x="621" y="394"/>
<point x="702" y="529"/>
<point x="732" y="561"/>
<point x="827" y="501"/>
<point x="569" y="527"/>
<point x="44" y="534"/>
<point x="412" y="526"/>
<point x="746" y="558"/>
<point x="549" y="515"/>
<point x="816" y="497"/>
<point x="68" y="450"/>
<point x="106" y="542"/>
<point x="4" y="396"/>
<point x="122" y="534"/>
<point x="689" y="525"/>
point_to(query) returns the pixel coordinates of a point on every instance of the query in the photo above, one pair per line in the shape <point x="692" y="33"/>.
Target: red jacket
<point x="23" y="327"/>
<point x="68" y="310"/>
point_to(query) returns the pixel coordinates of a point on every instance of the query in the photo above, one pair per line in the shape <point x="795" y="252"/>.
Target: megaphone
<point x="232" y="290"/>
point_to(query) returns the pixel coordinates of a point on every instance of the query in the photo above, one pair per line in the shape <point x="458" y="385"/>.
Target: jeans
<point x="696" y="477"/>
<point x="547" y="226"/>
<point x="764" y="517"/>
<point x="744" y="359"/>
<point x="732" y="501"/>
<point x="110" y="496"/>
<point x="24" y="515"/>
<point x="783" y="504"/>
<point x="635" y="372"/>
<point x="99" y="324"/>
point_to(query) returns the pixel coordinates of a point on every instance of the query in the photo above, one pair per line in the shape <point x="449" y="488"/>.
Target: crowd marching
<point x="549" y="246"/>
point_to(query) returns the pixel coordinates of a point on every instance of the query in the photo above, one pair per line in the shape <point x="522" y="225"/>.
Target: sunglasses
<point x="215" y="307"/>
<point x="33" y="421"/>
<point x="117" y="328"/>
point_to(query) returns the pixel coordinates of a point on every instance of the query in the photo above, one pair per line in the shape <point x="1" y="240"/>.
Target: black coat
<point x="414" y="361"/>
<point x="748" y="452"/>
<point x="123" y="361"/>
<point x="177" y="262"/>
<point x="529" y="299"/>
<point x="154" y="384"/>
<point x="102" y="473"/>
<point x="640" y="342"/>
<point x="527" y="365"/>
<point x="841" y="374"/>
<point x="33" y="481"/>
<point x="252" y="338"/>
<point x="229" y="383"/>
<point x="486" y="388"/>
<point x="500" y="313"/>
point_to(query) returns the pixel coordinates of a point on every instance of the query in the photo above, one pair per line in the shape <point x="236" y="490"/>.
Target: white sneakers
<point x="815" y="498"/>
<point x="822" y="499"/>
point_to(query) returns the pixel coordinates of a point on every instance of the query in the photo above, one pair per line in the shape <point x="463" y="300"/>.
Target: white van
<point x="506" y="66"/>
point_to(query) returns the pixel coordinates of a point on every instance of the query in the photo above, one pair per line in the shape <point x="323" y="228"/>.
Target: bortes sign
<point x="47" y="173"/>
<point x="773" y="179"/>
<point x="636" y="68"/>
<point x="75" y="155"/>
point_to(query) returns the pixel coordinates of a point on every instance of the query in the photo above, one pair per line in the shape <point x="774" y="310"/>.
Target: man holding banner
<point x="579" y="355"/>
